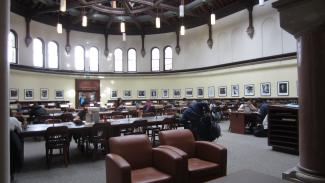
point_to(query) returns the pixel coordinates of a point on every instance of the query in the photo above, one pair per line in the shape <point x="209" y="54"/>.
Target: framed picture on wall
<point x="211" y="91"/>
<point x="127" y="94"/>
<point x="265" y="89"/>
<point x="141" y="93"/>
<point x="249" y="90"/>
<point x="188" y="92"/>
<point x="164" y="93"/>
<point x="235" y="90"/>
<point x="113" y="94"/>
<point x="29" y="94"/>
<point x="177" y="93"/>
<point x="283" y="88"/>
<point x="200" y="92"/>
<point x="153" y="93"/>
<point x="13" y="94"/>
<point x="222" y="91"/>
<point x="59" y="94"/>
<point x="44" y="94"/>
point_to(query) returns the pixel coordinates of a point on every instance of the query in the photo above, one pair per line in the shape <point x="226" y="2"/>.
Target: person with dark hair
<point x="81" y="116"/>
<point x="262" y="110"/>
<point x="191" y="117"/>
<point x="119" y="104"/>
<point x="148" y="106"/>
<point x="37" y="111"/>
<point x="247" y="106"/>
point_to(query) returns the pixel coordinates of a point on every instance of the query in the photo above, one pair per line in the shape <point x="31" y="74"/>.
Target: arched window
<point x="168" y="56"/>
<point x="155" y="59"/>
<point x="79" y="58"/>
<point x="52" y="55"/>
<point x="38" y="52"/>
<point x="93" y="59"/>
<point x="132" y="60"/>
<point x="118" y="57"/>
<point x="12" y="43"/>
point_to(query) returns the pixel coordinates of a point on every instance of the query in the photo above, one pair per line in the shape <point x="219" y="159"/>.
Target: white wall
<point x="273" y="72"/>
<point x="231" y="42"/>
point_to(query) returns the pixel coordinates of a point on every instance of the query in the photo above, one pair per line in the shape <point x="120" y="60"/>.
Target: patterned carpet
<point x="244" y="152"/>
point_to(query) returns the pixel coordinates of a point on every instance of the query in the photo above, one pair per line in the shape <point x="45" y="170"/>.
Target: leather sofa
<point x="204" y="160"/>
<point x="132" y="159"/>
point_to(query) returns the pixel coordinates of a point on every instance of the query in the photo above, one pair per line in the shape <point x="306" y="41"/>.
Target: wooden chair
<point x="57" y="138"/>
<point x="66" y="117"/>
<point x="168" y="124"/>
<point x="118" y="116"/>
<point x="138" y="127"/>
<point x="52" y="121"/>
<point x="98" y="138"/>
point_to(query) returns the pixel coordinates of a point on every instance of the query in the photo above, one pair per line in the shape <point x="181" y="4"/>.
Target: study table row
<point x="116" y="125"/>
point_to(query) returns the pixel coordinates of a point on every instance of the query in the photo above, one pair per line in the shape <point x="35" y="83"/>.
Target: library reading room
<point x="162" y="91"/>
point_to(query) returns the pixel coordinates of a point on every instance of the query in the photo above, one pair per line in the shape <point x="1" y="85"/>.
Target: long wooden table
<point x="116" y="124"/>
<point x="239" y="120"/>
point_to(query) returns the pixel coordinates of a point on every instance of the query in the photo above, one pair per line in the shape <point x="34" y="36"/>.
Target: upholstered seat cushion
<point x="149" y="174"/>
<point x="199" y="168"/>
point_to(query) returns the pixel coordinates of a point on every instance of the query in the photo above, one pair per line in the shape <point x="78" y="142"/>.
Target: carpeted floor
<point x="244" y="152"/>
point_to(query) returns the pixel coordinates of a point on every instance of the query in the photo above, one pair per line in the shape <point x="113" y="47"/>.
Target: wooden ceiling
<point x="139" y="15"/>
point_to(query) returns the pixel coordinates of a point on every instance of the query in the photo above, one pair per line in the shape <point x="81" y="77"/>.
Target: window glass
<point x="79" y="58"/>
<point x="52" y="55"/>
<point x="155" y="59"/>
<point x="12" y="51"/>
<point x="118" y="57"/>
<point x="38" y="57"/>
<point x="168" y="58"/>
<point x="93" y="59"/>
<point x="132" y="60"/>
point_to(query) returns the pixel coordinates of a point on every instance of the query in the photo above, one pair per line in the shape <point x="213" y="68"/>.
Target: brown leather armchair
<point x="132" y="159"/>
<point x="205" y="160"/>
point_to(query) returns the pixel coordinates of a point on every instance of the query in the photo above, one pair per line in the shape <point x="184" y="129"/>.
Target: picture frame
<point x="249" y="90"/>
<point x="235" y="90"/>
<point x="222" y="90"/>
<point x="141" y="93"/>
<point x="265" y="89"/>
<point x="59" y="94"/>
<point x="211" y="91"/>
<point x="177" y="93"/>
<point x="153" y="93"/>
<point x="188" y="92"/>
<point x="114" y="94"/>
<point x="127" y="94"/>
<point x="165" y="93"/>
<point x="29" y="94"/>
<point x="13" y="94"/>
<point x="283" y="88"/>
<point x="200" y="92"/>
<point x="44" y="94"/>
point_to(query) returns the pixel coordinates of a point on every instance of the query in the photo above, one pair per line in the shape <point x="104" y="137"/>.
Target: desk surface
<point x="248" y="176"/>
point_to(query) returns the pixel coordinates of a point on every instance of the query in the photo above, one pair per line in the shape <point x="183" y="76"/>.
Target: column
<point x="4" y="67"/>
<point x="305" y="19"/>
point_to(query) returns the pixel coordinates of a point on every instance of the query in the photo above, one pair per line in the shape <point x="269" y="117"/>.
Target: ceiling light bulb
<point x="84" y="21"/>
<point x="122" y="27"/>
<point x="63" y="5"/>
<point x="261" y="2"/>
<point x="181" y="10"/>
<point x="124" y="36"/>
<point x="59" y="28"/>
<point x="213" y="19"/>
<point x="182" y="30"/>
<point x="157" y="22"/>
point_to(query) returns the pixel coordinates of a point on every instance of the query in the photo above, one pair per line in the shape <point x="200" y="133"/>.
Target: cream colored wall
<point x="231" y="42"/>
<point x="251" y="74"/>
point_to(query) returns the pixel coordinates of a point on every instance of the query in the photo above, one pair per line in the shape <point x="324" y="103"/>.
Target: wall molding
<point x="274" y="58"/>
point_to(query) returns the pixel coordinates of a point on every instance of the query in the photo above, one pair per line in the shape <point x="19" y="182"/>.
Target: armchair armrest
<point x="171" y="163"/>
<point x="118" y="170"/>
<point x="212" y="152"/>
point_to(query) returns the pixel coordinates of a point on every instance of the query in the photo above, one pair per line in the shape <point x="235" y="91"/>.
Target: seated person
<point x="14" y="124"/>
<point x="192" y="115"/>
<point x="247" y="106"/>
<point x="148" y="107"/>
<point x="119" y="104"/>
<point x="215" y="110"/>
<point x="37" y="111"/>
<point x="262" y="110"/>
<point x="81" y="116"/>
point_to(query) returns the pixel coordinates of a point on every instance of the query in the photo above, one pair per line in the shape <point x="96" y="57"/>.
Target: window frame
<point x="97" y="58"/>
<point x="115" y="59"/>
<point x="43" y="52"/>
<point x="16" y="45"/>
<point x="152" y="60"/>
<point x="74" y="60"/>
<point x="164" y="57"/>
<point x="136" y="65"/>
<point x="58" y="54"/>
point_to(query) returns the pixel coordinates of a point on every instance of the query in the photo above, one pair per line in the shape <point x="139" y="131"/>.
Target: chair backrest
<point x="148" y="114"/>
<point x="66" y="117"/>
<point x="57" y="136"/>
<point x="100" y="130"/>
<point x="135" y="149"/>
<point x="119" y="116"/>
<point x="52" y="121"/>
<point x="182" y="139"/>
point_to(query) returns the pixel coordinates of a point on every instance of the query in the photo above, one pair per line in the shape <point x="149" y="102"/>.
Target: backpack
<point x="208" y="130"/>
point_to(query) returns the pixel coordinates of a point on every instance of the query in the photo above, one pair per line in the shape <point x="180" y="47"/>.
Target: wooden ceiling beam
<point x="128" y="11"/>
